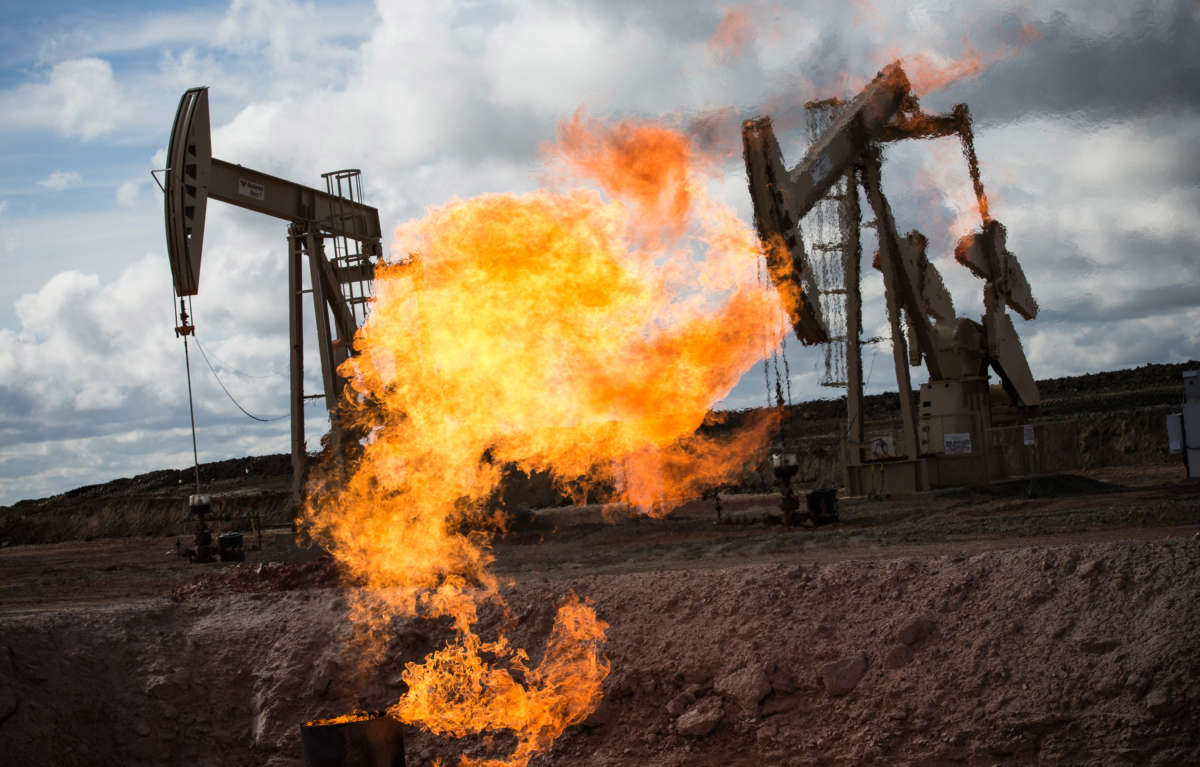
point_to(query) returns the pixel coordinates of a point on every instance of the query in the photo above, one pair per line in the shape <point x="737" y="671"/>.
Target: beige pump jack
<point x="949" y="441"/>
<point x="340" y="283"/>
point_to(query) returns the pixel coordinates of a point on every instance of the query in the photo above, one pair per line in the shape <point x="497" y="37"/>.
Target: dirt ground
<point x="1051" y="621"/>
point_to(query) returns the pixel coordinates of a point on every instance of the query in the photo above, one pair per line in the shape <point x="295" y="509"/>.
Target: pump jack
<point x="947" y="443"/>
<point x="340" y="285"/>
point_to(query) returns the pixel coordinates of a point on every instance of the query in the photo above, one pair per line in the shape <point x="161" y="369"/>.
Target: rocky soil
<point x="1048" y="621"/>
<point x="1076" y="653"/>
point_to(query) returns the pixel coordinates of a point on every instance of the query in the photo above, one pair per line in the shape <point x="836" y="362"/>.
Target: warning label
<point x="251" y="189"/>
<point x="1029" y="438"/>
<point x="957" y="444"/>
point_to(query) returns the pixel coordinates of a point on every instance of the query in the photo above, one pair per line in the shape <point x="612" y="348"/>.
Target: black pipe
<point x="373" y="740"/>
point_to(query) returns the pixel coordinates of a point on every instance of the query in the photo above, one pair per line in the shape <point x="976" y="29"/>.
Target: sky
<point x="1087" y="119"/>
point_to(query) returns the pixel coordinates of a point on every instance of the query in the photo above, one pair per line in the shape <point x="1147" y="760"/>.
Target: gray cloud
<point x="1150" y="64"/>
<point x="1086" y="135"/>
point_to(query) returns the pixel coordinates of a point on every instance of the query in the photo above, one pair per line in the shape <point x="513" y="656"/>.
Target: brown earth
<point x="1047" y="621"/>
<point x="155" y="503"/>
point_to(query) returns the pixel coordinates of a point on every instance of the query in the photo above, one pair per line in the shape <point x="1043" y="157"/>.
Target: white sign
<point x="1175" y="432"/>
<point x="1029" y="438"/>
<point x="957" y="444"/>
<point x="883" y="447"/>
<point x="251" y="189"/>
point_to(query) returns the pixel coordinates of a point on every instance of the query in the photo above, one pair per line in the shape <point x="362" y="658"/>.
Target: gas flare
<point x="584" y="332"/>
<point x="930" y="73"/>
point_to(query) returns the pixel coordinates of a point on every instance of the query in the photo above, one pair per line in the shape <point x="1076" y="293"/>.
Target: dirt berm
<point x="1073" y="654"/>
<point x="1115" y="418"/>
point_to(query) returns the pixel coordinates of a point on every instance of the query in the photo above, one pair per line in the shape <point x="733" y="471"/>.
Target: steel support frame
<point x="854" y="437"/>
<point x="296" y="235"/>
<point x="334" y="339"/>
<point x="890" y="266"/>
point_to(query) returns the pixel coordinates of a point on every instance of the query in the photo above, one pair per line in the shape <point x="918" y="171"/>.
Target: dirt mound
<point x="1058" y="655"/>
<point x="1102" y="419"/>
<point x="1052" y="486"/>
<point x="322" y="572"/>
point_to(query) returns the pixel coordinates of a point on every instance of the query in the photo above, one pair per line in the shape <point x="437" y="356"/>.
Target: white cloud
<point x="61" y="179"/>
<point x="554" y="59"/>
<point x="108" y="35"/>
<point x="78" y="97"/>
<point x="434" y="101"/>
<point x="128" y="193"/>
<point x="106" y="361"/>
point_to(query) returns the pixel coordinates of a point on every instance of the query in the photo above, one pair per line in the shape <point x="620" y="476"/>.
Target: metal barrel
<point x="372" y="741"/>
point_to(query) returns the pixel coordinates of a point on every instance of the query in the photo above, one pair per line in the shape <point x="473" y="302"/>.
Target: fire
<point x="456" y="691"/>
<point x="929" y="73"/>
<point x="585" y="332"/>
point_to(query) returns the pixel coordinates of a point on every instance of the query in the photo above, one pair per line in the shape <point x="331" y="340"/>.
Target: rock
<point x="746" y="687"/>
<point x="325" y="670"/>
<point x="8" y="663"/>
<point x="680" y="703"/>
<point x="9" y="703"/>
<point x="621" y="686"/>
<point x="766" y="735"/>
<point x="899" y="656"/>
<point x="1159" y="703"/>
<point x="603" y="715"/>
<point x="1020" y="743"/>
<point x="701" y="719"/>
<point x="782" y="681"/>
<point x="1089" y="567"/>
<point x="648" y="685"/>
<point x="840" y="677"/>
<point x="1069" y="564"/>
<point x="1137" y="683"/>
<point x="1098" y="645"/>
<point x="698" y="691"/>
<point x="915" y="630"/>
<point x="777" y="704"/>
<point x="160" y="688"/>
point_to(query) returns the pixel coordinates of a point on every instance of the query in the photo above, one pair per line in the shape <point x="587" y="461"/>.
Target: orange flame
<point x="928" y="73"/>
<point x="457" y="692"/>
<point x="572" y="332"/>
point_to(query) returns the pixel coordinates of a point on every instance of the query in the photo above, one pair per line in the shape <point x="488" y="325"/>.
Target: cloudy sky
<point x="1087" y="127"/>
